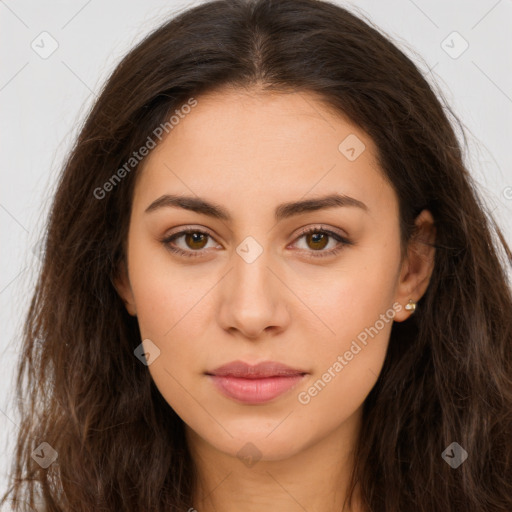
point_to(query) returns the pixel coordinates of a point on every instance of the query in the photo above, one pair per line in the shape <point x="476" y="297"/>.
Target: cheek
<point x="175" y="320"/>
<point x="347" y="364"/>
<point x="352" y="298"/>
<point x="357" y="310"/>
<point x="168" y="315"/>
<point x="171" y="302"/>
<point x="167" y="296"/>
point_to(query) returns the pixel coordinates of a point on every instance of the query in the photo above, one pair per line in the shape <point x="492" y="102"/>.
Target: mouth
<point x="255" y="384"/>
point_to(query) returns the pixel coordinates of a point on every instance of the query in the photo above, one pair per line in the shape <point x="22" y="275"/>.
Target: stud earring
<point x="411" y="306"/>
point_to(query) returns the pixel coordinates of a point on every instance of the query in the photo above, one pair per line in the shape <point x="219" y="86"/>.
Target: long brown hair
<point x="447" y="376"/>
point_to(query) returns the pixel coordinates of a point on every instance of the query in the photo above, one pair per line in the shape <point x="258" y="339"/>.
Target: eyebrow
<point x="283" y="211"/>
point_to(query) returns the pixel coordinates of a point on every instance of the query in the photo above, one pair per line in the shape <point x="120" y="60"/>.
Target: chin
<point x="252" y="442"/>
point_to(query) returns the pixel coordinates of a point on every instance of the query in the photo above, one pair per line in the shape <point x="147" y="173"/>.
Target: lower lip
<point x="255" y="391"/>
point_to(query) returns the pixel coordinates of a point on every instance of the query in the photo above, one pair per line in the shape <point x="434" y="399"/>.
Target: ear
<point x="124" y="289"/>
<point x="418" y="264"/>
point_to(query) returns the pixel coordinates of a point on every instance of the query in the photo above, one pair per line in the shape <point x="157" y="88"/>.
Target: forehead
<point x="242" y="147"/>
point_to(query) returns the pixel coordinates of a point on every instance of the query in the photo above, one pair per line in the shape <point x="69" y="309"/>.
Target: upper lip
<point x="258" y="371"/>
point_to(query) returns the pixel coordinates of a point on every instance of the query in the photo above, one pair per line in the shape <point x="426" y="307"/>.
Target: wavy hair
<point x="447" y="375"/>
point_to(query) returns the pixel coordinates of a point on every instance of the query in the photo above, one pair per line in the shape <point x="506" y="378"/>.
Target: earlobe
<point x="122" y="286"/>
<point x="417" y="267"/>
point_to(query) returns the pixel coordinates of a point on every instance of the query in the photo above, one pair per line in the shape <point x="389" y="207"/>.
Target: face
<point x="258" y="277"/>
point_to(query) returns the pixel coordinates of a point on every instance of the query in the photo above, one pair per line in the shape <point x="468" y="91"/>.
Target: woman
<point x="269" y="283"/>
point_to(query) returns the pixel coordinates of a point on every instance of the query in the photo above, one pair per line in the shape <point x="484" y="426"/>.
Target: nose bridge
<point x="251" y="299"/>
<point x="251" y="276"/>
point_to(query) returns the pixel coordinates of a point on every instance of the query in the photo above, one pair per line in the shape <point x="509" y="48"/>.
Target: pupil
<point x="317" y="238"/>
<point x="196" y="238"/>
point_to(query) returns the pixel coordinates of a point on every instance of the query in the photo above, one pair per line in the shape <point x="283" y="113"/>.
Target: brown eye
<point x="196" y="240"/>
<point x="189" y="242"/>
<point x="192" y="242"/>
<point x="318" y="240"/>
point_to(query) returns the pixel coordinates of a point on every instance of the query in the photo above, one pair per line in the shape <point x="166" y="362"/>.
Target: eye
<point x="194" y="239"/>
<point x="317" y="239"/>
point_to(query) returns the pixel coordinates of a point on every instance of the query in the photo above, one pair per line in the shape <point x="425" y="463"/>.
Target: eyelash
<point x="319" y="254"/>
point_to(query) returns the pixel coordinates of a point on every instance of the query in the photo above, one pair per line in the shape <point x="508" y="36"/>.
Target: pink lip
<point x="255" y="384"/>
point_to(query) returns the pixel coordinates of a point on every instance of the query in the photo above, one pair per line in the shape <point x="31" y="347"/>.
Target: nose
<point x="254" y="299"/>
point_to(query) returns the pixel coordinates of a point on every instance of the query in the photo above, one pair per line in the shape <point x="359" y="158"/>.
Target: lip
<point x="257" y="371"/>
<point x="255" y="384"/>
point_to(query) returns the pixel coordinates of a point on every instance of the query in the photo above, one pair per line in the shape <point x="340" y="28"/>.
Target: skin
<point x="250" y="152"/>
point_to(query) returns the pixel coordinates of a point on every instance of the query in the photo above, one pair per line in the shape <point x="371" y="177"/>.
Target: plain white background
<point x="43" y="100"/>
